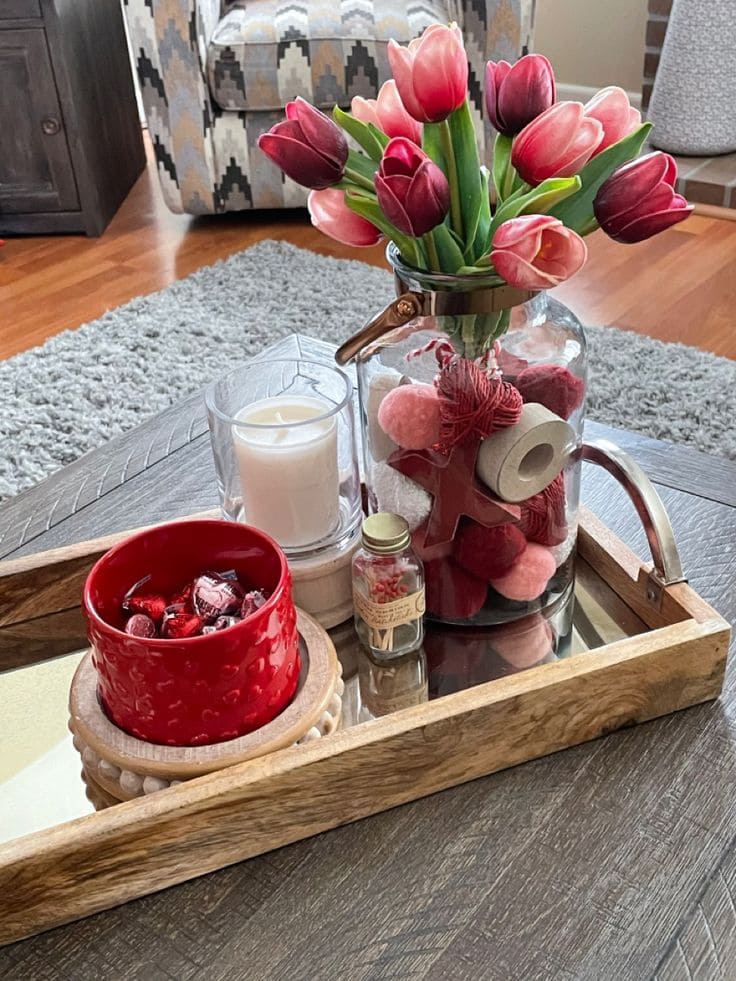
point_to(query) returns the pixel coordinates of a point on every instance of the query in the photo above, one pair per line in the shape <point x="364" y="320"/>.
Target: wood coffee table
<point x="612" y="860"/>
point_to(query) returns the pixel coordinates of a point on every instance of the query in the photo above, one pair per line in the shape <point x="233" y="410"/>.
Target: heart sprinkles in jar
<point x="213" y="601"/>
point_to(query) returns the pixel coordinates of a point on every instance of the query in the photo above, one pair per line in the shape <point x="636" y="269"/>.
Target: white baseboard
<point x="581" y="93"/>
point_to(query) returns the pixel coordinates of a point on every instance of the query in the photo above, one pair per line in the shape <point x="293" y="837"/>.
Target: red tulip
<point x="612" y="109"/>
<point x="332" y="216"/>
<point x="388" y="113"/>
<point x="536" y="252"/>
<point x="517" y="94"/>
<point x="412" y="190"/>
<point x="558" y="143"/>
<point x="431" y="73"/>
<point x="307" y="146"/>
<point x="638" y="200"/>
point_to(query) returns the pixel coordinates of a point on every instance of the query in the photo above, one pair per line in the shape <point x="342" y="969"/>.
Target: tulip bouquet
<point x="560" y="169"/>
<point x="475" y="386"/>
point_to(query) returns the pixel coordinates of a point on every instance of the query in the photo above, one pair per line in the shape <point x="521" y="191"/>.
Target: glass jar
<point x="481" y="455"/>
<point x="388" y="588"/>
<point x="283" y="441"/>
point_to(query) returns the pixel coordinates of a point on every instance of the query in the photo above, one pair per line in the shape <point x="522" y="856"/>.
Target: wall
<point x="593" y="43"/>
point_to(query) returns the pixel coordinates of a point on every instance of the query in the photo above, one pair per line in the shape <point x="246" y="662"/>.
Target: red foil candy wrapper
<point x="214" y="596"/>
<point x="181" y="624"/>
<point x="252" y="601"/>
<point x="150" y="605"/>
<point x="139" y="625"/>
<point x="183" y="598"/>
<point x="221" y="623"/>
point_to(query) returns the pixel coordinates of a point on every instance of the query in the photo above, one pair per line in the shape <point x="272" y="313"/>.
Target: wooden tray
<point x="652" y="649"/>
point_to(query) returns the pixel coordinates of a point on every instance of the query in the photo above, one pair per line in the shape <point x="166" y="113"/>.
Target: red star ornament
<point x="454" y="488"/>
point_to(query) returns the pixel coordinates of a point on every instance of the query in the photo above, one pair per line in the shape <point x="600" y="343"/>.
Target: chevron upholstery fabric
<point x="206" y="107"/>
<point x="266" y="52"/>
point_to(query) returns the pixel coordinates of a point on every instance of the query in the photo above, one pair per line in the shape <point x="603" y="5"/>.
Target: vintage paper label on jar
<point x="383" y="616"/>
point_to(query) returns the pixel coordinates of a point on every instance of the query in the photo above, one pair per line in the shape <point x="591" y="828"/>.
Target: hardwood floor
<point x="678" y="286"/>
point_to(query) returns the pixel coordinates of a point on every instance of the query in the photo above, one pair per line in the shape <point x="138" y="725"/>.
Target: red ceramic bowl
<point x="195" y="690"/>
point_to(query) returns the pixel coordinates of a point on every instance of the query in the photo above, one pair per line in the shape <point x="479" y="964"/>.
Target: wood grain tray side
<point x="139" y="847"/>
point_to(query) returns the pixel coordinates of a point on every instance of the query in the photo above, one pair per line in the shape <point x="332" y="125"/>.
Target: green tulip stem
<point x="508" y="180"/>
<point x="448" y="152"/>
<point x="434" y="259"/>
<point x="360" y="179"/>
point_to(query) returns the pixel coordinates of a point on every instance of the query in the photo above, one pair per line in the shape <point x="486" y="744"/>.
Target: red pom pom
<point x="553" y="386"/>
<point x="473" y="404"/>
<point x="451" y="592"/>
<point x="488" y="552"/>
<point x="543" y="518"/>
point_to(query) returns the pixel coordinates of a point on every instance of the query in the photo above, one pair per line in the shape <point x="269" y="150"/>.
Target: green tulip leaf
<point x="432" y="145"/>
<point x="467" y="162"/>
<point x="368" y="208"/>
<point x="481" y="242"/>
<point x="577" y="211"/>
<point x="379" y="136"/>
<point x="449" y="253"/>
<point x="361" y="170"/>
<point x="501" y="164"/>
<point x="534" y="201"/>
<point x="549" y="193"/>
<point x="362" y="133"/>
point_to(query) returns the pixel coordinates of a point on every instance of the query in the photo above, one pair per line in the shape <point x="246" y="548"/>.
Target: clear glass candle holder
<point x="283" y="440"/>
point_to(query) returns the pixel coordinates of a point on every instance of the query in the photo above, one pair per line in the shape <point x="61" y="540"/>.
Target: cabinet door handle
<point x="50" y="125"/>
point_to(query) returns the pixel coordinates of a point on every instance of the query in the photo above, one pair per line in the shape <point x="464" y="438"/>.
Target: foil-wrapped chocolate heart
<point x="213" y="596"/>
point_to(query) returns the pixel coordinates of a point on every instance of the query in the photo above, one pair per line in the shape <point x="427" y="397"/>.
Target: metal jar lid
<point x="385" y="533"/>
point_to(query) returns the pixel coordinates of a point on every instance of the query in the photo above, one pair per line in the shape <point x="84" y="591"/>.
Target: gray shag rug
<point x="85" y="386"/>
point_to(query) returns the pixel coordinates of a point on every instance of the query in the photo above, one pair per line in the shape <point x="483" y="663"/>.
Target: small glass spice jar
<point x="388" y="588"/>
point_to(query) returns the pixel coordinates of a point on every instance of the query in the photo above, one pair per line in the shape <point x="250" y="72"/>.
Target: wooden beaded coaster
<point x="124" y="767"/>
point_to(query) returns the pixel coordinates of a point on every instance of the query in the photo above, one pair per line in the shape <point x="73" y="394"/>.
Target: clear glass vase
<point x="482" y="455"/>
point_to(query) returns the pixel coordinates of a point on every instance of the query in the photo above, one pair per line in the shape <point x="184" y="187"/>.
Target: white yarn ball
<point x="400" y="495"/>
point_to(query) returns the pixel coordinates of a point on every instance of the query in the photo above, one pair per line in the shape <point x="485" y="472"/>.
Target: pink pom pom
<point x="553" y="386"/>
<point x="410" y="416"/>
<point x="528" y="577"/>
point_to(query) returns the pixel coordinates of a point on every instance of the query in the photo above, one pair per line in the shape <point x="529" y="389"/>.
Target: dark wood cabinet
<point x="71" y="145"/>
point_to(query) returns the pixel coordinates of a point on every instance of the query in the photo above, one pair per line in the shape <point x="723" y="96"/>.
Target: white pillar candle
<point x="287" y="459"/>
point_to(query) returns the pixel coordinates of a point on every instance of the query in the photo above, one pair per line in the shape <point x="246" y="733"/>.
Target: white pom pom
<point x="381" y="383"/>
<point x="400" y="495"/>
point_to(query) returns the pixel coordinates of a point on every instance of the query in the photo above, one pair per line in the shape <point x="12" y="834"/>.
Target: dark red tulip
<point x="307" y="146"/>
<point x="517" y="94"/>
<point x="638" y="200"/>
<point x="412" y="190"/>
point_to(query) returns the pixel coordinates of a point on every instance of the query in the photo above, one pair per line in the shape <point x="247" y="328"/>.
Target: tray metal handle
<point x="667" y="565"/>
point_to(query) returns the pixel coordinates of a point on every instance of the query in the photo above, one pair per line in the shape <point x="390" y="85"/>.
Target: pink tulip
<point x="558" y="143"/>
<point x="612" y="109"/>
<point x="431" y="73"/>
<point x="537" y="252"/>
<point x="331" y="215"/>
<point x="388" y="113"/>
<point x="517" y="94"/>
<point x="638" y="200"/>
<point x="412" y="190"/>
<point x="307" y="146"/>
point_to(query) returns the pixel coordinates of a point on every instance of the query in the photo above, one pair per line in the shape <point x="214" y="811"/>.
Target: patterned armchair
<point x="216" y="74"/>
